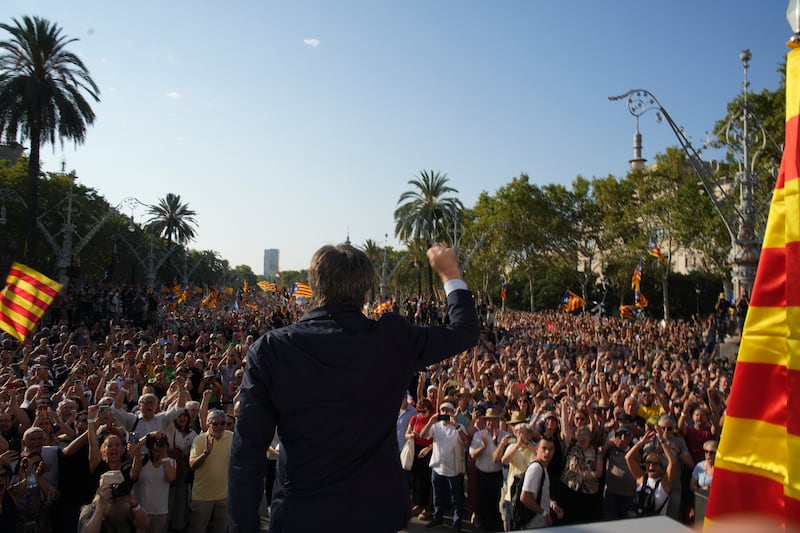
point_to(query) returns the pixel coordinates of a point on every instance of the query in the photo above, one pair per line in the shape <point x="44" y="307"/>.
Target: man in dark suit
<point x="331" y="384"/>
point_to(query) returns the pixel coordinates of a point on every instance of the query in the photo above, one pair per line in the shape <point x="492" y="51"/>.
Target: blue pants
<point x="446" y="490"/>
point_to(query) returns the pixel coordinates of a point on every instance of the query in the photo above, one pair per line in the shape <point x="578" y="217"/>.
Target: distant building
<point x="271" y="263"/>
<point x="10" y="152"/>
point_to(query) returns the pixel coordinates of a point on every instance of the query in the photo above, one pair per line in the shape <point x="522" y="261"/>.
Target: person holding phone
<point x="447" y="463"/>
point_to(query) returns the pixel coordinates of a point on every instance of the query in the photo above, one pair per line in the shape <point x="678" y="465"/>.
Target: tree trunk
<point x="430" y="281"/>
<point x="665" y="292"/>
<point x="530" y="284"/>
<point x="32" y="195"/>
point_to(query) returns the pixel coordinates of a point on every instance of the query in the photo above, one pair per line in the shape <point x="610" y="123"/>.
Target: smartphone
<point x="133" y="437"/>
<point x="78" y="384"/>
<point x="443" y="418"/>
<point x="103" y="410"/>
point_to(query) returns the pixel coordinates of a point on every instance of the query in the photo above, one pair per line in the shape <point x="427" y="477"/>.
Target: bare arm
<point x="634" y="457"/>
<point x="204" y="409"/>
<point x="91" y="435"/>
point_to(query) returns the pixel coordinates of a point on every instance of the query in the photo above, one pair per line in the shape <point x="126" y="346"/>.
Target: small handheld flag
<point x="637" y="276"/>
<point x="655" y="251"/>
<point x="302" y="290"/>
<point x="571" y="302"/>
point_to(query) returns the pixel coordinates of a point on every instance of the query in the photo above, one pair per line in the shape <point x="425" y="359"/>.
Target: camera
<point x="121" y="489"/>
<point x="443" y="418"/>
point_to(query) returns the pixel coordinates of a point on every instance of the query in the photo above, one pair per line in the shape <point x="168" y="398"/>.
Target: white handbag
<point x="407" y="455"/>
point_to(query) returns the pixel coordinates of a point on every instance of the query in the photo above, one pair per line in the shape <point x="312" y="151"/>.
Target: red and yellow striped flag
<point x="24" y="300"/>
<point x="757" y="469"/>
<point x="267" y="286"/>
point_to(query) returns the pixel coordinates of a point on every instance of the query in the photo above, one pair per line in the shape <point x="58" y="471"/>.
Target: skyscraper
<point x="271" y="262"/>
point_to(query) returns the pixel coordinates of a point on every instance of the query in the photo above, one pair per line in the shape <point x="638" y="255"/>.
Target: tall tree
<point x="484" y="257"/>
<point x="43" y="94"/>
<point x="172" y="219"/>
<point x="426" y="212"/>
<point x="534" y="225"/>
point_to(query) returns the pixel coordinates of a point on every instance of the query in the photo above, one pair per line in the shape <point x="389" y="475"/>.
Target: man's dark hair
<point x="340" y="274"/>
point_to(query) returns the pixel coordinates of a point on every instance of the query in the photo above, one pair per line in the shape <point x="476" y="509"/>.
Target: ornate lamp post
<point x="737" y="216"/>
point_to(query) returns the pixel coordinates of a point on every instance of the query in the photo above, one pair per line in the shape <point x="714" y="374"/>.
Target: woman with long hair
<point x="421" y="470"/>
<point x="152" y="474"/>
<point x="180" y="435"/>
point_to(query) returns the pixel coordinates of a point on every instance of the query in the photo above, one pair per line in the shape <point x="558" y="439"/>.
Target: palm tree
<point x="426" y="212"/>
<point x="374" y="253"/>
<point x="42" y="94"/>
<point x="172" y="219"/>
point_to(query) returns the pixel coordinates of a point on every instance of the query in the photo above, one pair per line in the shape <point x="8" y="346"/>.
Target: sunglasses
<point x="653" y="463"/>
<point x="623" y="434"/>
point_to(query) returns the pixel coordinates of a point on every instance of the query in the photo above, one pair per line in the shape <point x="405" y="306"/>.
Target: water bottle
<point x="30" y="480"/>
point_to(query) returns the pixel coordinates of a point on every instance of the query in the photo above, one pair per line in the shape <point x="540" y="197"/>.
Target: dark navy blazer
<point x="332" y="385"/>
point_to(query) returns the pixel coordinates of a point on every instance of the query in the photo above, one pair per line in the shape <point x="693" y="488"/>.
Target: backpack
<point x="520" y="514"/>
<point x="644" y="501"/>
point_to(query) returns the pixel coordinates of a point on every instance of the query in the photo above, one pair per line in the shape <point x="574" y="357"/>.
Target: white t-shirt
<point x="533" y="478"/>
<point x="445" y="445"/>
<point x="152" y="488"/>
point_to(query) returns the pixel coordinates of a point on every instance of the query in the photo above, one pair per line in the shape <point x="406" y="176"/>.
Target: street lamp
<point x="793" y="16"/>
<point x="738" y="217"/>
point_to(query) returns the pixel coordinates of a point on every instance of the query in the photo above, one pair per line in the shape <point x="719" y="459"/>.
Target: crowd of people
<point x="623" y="404"/>
<point x="119" y="409"/>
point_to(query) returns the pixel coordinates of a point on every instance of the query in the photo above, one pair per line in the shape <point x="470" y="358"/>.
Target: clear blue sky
<point x="286" y="124"/>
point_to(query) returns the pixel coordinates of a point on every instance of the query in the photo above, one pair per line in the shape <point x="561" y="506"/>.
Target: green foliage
<point x="43" y="90"/>
<point x="426" y="212"/>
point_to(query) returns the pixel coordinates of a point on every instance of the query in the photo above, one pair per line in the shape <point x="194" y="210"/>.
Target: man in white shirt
<point x="447" y="463"/>
<point x="535" y="490"/>
<point x="484" y="449"/>
<point x="148" y="419"/>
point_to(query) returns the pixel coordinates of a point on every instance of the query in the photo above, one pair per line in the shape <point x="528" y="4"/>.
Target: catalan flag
<point x="210" y="299"/>
<point x="267" y="286"/>
<point x="571" y="302"/>
<point x="757" y="467"/>
<point x="24" y="300"/>
<point x="655" y="251"/>
<point x="302" y="290"/>
<point x="639" y="299"/>
<point x="637" y="276"/>
<point x="627" y="311"/>
<point x="503" y="291"/>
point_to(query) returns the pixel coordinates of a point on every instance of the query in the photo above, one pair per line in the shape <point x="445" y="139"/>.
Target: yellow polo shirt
<point x="211" y="478"/>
